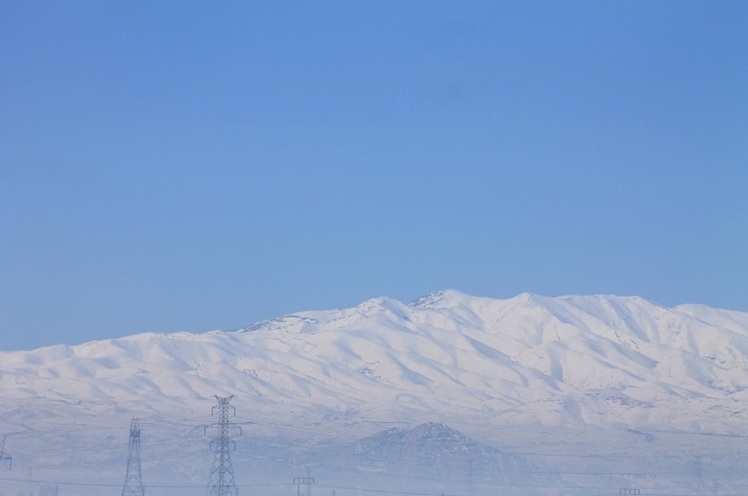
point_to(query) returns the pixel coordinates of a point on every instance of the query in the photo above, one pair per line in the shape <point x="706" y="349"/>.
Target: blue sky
<point x="189" y="166"/>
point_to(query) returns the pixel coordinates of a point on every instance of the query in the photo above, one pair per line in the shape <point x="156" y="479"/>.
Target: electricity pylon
<point x="5" y="456"/>
<point x="221" y="481"/>
<point x="307" y="481"/>
<point x="133" y="480"/>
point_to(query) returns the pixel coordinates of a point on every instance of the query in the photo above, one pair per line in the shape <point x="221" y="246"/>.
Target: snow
<point x="491" y="368"/>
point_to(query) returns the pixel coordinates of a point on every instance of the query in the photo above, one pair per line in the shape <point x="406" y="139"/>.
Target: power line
<point x="649" y="492"/>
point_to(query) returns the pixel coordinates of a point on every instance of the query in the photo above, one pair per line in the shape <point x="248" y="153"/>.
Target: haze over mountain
<point x="486" y="367"/>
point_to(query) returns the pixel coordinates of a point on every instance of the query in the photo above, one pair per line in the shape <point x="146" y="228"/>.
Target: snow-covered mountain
<point x="489" y="368"/>
<point x="448" y="357"/>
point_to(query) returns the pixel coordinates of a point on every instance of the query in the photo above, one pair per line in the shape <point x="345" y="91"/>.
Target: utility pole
<point x="133" y="479"/>
<point x="307" y="481"/>
<point x="699" y="473"/>
<point x="221" y="481"/>
<point x="4" y="456"/>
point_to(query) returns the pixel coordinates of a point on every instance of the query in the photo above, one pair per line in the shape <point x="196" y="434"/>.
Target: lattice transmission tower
<point x="133" y="479"/>
<point x="221" y="481"/>
<point x="5" y="457"/>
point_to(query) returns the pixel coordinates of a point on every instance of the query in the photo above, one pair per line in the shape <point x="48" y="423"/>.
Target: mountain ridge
<point x="563" y="394"/>
<point x="527" y="359"/>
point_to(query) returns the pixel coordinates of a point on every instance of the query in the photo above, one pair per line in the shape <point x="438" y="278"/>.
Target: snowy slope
<point x="476" y="364"/>
<point x="529" y="359"/>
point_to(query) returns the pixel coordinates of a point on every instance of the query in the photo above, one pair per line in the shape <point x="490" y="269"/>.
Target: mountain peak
<point x="430" y="435"/>
<point x="440" y="299"/>
<point x="438" y="432"/>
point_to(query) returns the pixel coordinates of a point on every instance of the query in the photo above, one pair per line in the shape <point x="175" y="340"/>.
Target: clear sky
<point x="188" y="166"/>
